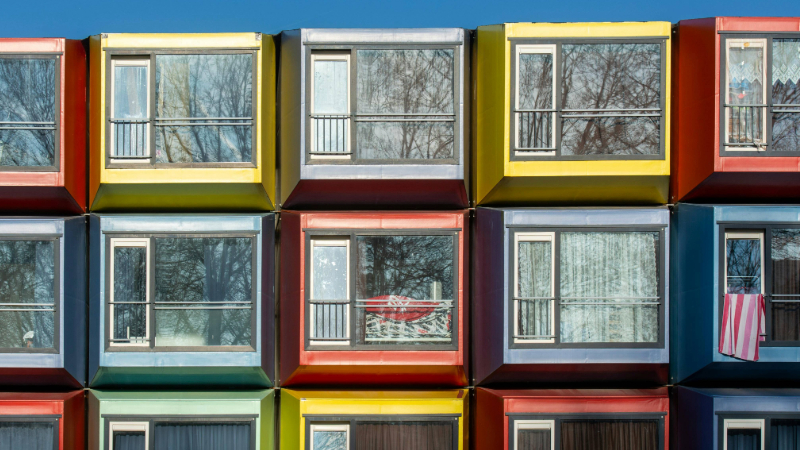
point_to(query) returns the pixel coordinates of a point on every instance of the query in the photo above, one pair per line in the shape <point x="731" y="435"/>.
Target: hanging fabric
<point x="742" y="326"/>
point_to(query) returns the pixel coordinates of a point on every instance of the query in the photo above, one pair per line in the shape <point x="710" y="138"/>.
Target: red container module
<point x="43" y="421"/>
<point x="43" y="149"/>
<point x="736" y="114"/>
<point x="571" y="419"/>
<point x="373" y="298"/>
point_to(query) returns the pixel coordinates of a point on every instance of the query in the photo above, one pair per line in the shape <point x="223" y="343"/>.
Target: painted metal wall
<point x="62" y="191"/>
<point x="69" y="407"/>
<point x="495" y="361"/>
<point x="306" y="185"/>
<point x="66" y="366"/>
<point x="186" y="368"/>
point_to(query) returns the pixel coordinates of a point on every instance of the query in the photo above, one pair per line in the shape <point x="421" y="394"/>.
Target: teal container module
<point x="181" y="420"/>
<point x="182" y="300"/>
<point x="734" y="249"/>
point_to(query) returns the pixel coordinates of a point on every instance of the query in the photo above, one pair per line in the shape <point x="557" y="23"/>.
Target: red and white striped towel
<point x="742" y="326"/>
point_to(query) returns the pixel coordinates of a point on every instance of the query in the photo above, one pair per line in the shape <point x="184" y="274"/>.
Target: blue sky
<point x="78" y="19"/>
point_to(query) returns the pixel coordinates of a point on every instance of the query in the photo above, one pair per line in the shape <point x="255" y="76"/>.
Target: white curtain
<point x="534" y="281"/>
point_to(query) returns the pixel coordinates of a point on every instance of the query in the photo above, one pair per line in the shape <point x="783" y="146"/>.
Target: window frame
<point x="54" y="419"/>
<point x="128" y="426"/>
<point x="56" y="239"/>
<point x="550" y="237"/>
<point x="351" y="235"/>
<point x="56" y="127"/>
<point x="765" y="417"/>
<point x="314" y="426"/>
<point x="151" y="274"/>
<point x="352" y="420"/>
<point x="113" y="245"/>
<point x="123" y="53"/>
<point x="556" y="286"/>
<point x="151" y="420"/>
<point x="557" y="418"/>
<point x="351" y="159"/>
<point x="130" y="62"/>
<point x="534" y="425"/>
<point x="766" y="271"/>
<point x="521" y="154"/>
<point x="769" y="110"/>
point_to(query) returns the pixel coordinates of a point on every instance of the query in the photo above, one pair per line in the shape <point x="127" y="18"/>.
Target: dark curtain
<point x="744" y="439"/>
<point x="609" y="435"/>
<point x="202" y="436"/>
<point x="784" y="435"/>
<point x="533" y="440"/>
<point x="404" y="436"/>
<point x="26" y="435"/>
<point x="129" y="440"/>
<point x="786" y="316"/>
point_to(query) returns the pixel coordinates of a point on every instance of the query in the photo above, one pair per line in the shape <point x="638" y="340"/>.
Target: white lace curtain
<point x="786" y="61"/>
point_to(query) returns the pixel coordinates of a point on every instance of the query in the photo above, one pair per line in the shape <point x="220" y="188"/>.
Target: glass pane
<point x="128" y="440"/>
<point x="404" y="435"/>
<point x="785" y="285"/>
<point x="27" y="94"/>
<point x="26" y="435"/>
<point x="743" y="256"/>
<point x="202" y="436"/>
<point x="786" y="71"/>
<point x="404" y="282"/>
<point x="130" y="286"/>
<point x="535" y="82"/>
<point x="786" y="132"/>
<point x="745" y="66"/>
<point x="534" y="280"/>
<point x="609" y="434"/>
<point x="611" y="136"/>
<point x="330" y="87"/>
<point x="405" y="140"/>
<point x="784" y="434"/>
<point x="609" y="287"/>
<point x="203" y="291"/>
<point x="405" y="81"/>
<point x="213" y="88"/>
<point x="330" y="283"/>
<point x="130" y="92"/>
<point x="744" y="439"/>
<point x="611" y="76"/>
<point x="27" y="273"/>
<point x="330" y="440"/>
<point x="534" y="440"/>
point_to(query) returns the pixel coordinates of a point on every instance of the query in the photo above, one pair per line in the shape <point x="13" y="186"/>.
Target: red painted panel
<point x="291" y="339"/>
<point x="326" y="194"/>
<point x="756" y="24"/>
<point x="70" y="406"/>
<point x="74" y="129"/>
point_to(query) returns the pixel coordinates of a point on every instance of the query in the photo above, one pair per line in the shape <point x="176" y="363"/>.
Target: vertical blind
<point x="534" y="440"/>
<point x="784" y="435"/>
<point x="129" y="440"/>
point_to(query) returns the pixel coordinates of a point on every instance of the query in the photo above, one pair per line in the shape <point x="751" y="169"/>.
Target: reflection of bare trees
<point x="27" y="94"/>
<point x="786" y="91"/>
<point x="206" y="87"/>
<point x="535" y="92"/>
<point x="408" y="83"/>
<point x="26" y="278"/>
<point x="744" y="266"/>
<point x="192" y="271"/>
<point x="785" y="281"/>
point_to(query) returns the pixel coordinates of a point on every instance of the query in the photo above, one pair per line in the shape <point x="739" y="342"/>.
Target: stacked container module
<point x="571" y="236"/>
<point x="181" y="242"/>
<point x="374" y="254"/>
<point x="736" y="233"/>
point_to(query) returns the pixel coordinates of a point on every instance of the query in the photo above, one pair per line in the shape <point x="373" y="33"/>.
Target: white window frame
<point x="322" y="242"/>
<point x="330" y="57"/>
<point x="129" y="243"/>
<point x="742" y="43"/>
<point x="128" y="426"/>
<point x="535" y="237"/>
<point x="535" y="425"/>
<point x="130" y="62"/>
<point x="327" y="427"/>
<point x="742" y="424"/>
<point x="543" y="49"/>
<point x="749" y="235"/>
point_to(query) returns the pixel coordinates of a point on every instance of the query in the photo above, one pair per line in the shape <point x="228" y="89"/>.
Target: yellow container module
<point x="354" y="414"/>
<point x="506" y="173"/>
<point x="131" y="167"/>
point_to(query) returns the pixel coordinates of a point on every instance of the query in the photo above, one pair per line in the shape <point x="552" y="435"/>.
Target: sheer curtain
<point x="604" y="278"/>
<point x="202" y="436"/>
<point x="609" y="435"/>
<point x="404" y="436"/>
<point x="533" y="440"/>
<point x="745" y="439"/>
<point x="784" y="435"/>
<point x="26" y="435"/>
<point x="534" y="280"/>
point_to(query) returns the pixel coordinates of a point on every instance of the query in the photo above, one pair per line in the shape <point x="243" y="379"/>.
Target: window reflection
<point x="743" y="258"/>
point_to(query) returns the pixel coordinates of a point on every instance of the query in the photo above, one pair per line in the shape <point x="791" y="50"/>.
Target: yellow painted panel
<point x="589" y="29"/>
<point x="186" y="175"/>
<point x="580" y="168"/>
<point x="266" y="107"/>
<point x="181" y="40"/>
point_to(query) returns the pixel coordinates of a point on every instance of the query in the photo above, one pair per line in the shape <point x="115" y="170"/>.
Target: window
<point x="757" y="119"/>
<point x="189" y="292"/>
<point x="29" y="433"/>
<point x="178" y="108"/>
<point x="402" y="108"/>
<point x="382" y="433"/>
<point x="588" y="99"/>
<point x="28" y="294"/>
<point x="183" y="433"/>
<point x="743" y="256"/>
<point x="28" y="105"/>
<point x="608" y="288"/>
<point x="743" y="434"/>
<point x="389" y="289"/>
<point x="642" y="431"/>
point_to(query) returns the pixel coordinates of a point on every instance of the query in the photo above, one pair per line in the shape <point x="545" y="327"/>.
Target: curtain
<point x="533" y="440"/>
<point x="129" y="440"/>
<point x="202" y="436"/>
<point x="405" y="436"/>
<point x="784" y="434"/>
<point x="534" y="279"/>
<point x="601" y="269"/>
<point x="609" y="435"/>
<point x="26" y="435"/>
<point x="745" y="439"/>
<point x="786" y="281"/>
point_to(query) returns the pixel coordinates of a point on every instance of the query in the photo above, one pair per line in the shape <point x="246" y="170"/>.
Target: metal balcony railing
<point x="329" y="320"/>
<point x="330" y="133"/>
<point x="745" y="125"/>
<point x="130" y="138"/>
<point x="534" y="318"/>
<point x="535" y="129"/>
